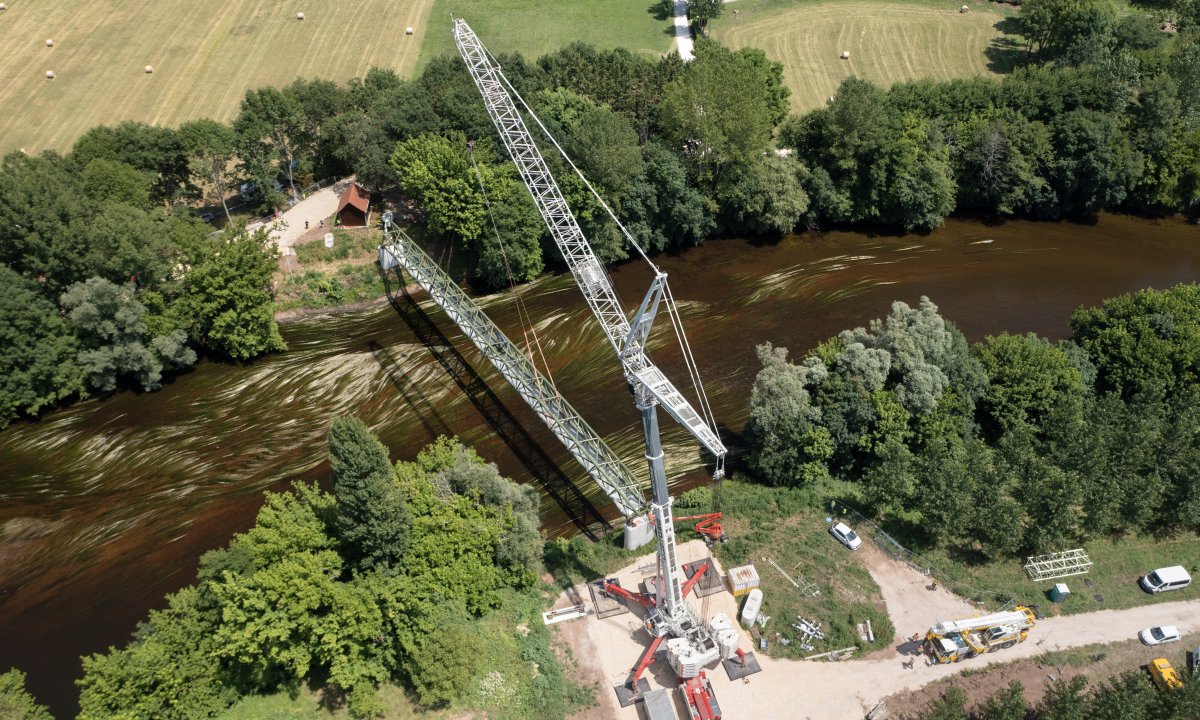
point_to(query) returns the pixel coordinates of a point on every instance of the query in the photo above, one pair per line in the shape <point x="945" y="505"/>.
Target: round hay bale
<point x="49" y="42"/>
<point x="299" y="16"/>
<point x="149" y="69"/>
<point x="408" y="31"/>
<point x="964" y="9"/>
<point x="845" y="54"/>
<point x="49" y="74"/>
<point x="3" y="7"/>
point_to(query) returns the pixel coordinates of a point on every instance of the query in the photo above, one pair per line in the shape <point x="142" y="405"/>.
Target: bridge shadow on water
<point x="550" y="478"/>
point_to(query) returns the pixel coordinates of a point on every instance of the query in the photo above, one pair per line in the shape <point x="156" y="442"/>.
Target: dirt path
<point x="846" y="690"/>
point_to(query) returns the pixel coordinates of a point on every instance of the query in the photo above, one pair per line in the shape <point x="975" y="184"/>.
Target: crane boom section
<point x="1022" y="618"/>
<point x="596" y="457"/>
<point x="587" y="270"/>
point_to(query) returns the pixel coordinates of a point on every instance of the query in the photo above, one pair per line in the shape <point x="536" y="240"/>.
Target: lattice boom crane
<point x="693" y="645"/>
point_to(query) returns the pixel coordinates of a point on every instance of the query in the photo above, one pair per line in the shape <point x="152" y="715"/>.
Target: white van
<point x="1164" y="579"/>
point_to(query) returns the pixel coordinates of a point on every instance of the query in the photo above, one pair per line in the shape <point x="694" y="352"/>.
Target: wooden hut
<point x="354" y="207"/>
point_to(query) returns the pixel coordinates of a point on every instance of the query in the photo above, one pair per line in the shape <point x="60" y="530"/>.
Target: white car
<point x="1159" y="635"/>
<point x="849" y="538"/>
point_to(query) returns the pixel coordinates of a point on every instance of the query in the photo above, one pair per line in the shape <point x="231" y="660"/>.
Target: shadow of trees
<point x="1007" y="52"/>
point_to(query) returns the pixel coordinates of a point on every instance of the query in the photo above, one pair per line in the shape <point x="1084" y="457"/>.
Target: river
<point x="107" y="505"/>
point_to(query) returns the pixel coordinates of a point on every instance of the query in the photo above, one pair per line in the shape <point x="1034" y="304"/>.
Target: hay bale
<point x="49" y="74"/>
<point x="49" y="42"/>
<point x="964" y="9"/>
<point x="408" y="31"/>
<point x="3" y="7"/>
<point x="845" y="54"/>
<point x="299" y="16"/>
<point x="149" y="69"/>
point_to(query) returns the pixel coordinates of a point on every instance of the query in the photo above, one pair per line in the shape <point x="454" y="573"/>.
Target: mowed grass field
<point x="205" y="55"/>
<point x="888" y="42"/>
<point x="536" y="27"/>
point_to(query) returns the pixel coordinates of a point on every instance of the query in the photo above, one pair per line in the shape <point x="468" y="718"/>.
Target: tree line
<point x="389" y="577"/>
<point x="1007" y="447"/>
<point x="1127" y="696"/>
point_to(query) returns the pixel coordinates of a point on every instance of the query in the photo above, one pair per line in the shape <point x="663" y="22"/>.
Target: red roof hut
<point x="354" y="207"/>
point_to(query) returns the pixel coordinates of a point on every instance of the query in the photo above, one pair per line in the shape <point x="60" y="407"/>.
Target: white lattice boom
<point x="1058" y="565"/>
<point x="596" y="457"/>
<point x="589" y="274"/>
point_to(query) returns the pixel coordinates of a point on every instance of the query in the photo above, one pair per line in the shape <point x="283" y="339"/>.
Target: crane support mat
<point x="627" y="696"/>
<point x="605" y="605"/>
<point x="738" y="670"/>
<point x="709" y="583"/>
<point x="659" y="705"/>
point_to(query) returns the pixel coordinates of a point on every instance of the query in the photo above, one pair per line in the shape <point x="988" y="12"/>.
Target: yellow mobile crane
<point x="954" y="640"/>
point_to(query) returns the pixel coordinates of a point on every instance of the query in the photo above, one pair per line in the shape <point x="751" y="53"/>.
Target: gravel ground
<point x="846" y="690"/>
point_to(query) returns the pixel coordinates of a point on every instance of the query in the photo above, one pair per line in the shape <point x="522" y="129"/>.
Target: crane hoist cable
<point x="668" y="296"/>
<point x="527" y="325"/>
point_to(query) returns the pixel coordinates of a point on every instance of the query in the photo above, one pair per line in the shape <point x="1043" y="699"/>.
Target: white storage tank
<point x="751" y="608"/>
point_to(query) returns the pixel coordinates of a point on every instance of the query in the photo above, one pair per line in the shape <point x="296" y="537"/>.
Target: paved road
<point x="683" y="34"/>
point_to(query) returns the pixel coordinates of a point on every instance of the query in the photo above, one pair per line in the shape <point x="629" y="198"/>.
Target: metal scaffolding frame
<point x="1058" y="565"/>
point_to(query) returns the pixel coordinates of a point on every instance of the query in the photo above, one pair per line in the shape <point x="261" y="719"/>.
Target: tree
<point x="114" y="181"/>
<point x="701" y="11"/>
<point x="1003" y="165"/>
<point x="768" y="199"/>
<point x="156" y="151"/>
<point x="169" y="670"/>
<point x="1124" y="697"/>
<point x="791" y="444"/>
<point x="373" y="522"/>
<point x="719" y="111"/>
<point x="1064" y="700"/>
<point x="1080" y="30"/>
<point x="271" y="126"/>
<point x="435" y="171"/>
<point x="951" y="706"/>
<point x="1144" y="343"/>
<point x="360" y="142"/>
<point x="15" y="702"/>
<point x="1095" y="165"/>
<point x="37" y="351"/>
<point x="227" y="306"/>
<point x="1007" y="703"/>
<point x="40" y="201"/>
<point x="114" y="339"/>
<point x="1032" y="384"/>
<point x="910" y="179"/>
<point x="211" y="148"/>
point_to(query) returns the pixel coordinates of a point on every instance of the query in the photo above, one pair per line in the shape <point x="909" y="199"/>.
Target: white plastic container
<point x="751" y="608"/>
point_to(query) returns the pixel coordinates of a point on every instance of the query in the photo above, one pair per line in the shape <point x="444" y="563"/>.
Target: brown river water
<point x="107" y="505"/>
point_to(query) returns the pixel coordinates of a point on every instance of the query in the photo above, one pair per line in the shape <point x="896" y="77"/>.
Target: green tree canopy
<point x="114" y="339"/>
<point x="37" y="351"/>
<point x="228" y="305"/>
<point x="373" y="522"/>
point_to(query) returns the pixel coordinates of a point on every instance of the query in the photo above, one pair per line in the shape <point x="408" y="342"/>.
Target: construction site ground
<point x="845" y="690"/>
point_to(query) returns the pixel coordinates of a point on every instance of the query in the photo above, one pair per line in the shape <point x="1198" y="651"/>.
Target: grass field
<point x="1117" y="565"/>
<point x="785" y="525"/>
<point x="536" y="27"/>
<point x="205" y="55"/>
<point x="888" y="42"/>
